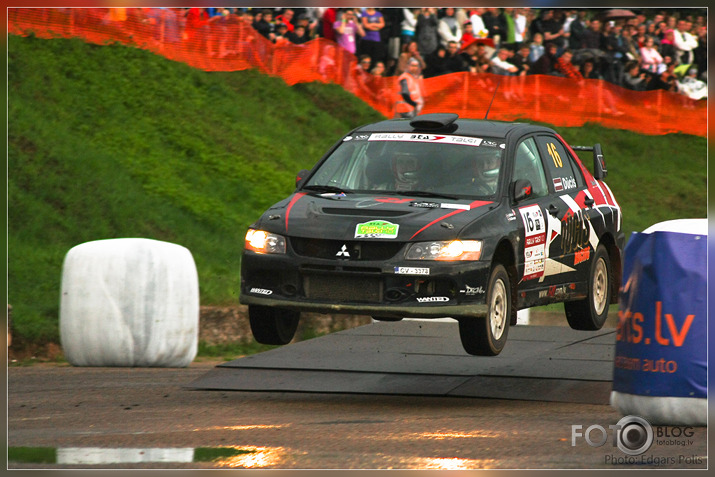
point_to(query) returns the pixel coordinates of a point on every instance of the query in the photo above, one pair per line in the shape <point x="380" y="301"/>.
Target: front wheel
<point x="486" y="335"/>
<point x="272" y="326"/>
<point x="591" y="312"/>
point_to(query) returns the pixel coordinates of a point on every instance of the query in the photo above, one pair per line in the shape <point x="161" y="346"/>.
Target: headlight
<point x="265" y="242"/>
<point x="452" y="250"/>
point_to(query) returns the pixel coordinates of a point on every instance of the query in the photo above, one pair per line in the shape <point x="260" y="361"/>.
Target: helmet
<point x="405" y="168"/>
<point x="488" y="166"/>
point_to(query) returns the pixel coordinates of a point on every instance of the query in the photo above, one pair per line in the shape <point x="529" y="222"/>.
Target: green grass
<point x="110" y="141"/>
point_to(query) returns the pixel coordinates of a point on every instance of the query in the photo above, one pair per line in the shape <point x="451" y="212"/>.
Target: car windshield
<point x="431" y="165"/>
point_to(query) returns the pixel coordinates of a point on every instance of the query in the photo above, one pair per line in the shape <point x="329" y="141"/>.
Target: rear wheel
<point x="272" y="326"/>
<point x="591" y="312"/>
<point x="486" y="336"/>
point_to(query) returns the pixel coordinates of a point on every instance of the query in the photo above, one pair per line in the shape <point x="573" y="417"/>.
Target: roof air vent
<point x="433" y="121"/>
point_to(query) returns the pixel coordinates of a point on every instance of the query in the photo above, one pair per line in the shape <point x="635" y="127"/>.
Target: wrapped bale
<point x="129" y="302"/>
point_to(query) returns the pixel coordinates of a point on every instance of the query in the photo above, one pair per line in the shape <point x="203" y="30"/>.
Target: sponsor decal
<point x="408" y="137"/>
<point x="553" y="291"/>
<point x="343" y="252"/>
<point x="362" y="137"/>
<point x="534" y="241"/>
<point x="582" y="255"/>
<point x="575" y="231"/>
<point x="377" y="229"/>
<point x="558" y="184"/>
<point x="425" y="205"/>
<point x="455" y="206"/>
<point x="569" y="182"/>
<point x="471" y="291"/>
<point x="432" y="299"/>
<point x="511" y="216"/>
<point x="490" y="143"/>
<point x="411" y="271"/>
<point x="261" y="291"/>
<point x="347" y="138"/>
<point x="391" y="200"/>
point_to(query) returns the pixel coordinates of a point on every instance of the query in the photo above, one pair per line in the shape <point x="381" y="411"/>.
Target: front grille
<point x="336" y="288"/>
<point x="333" y="249"/>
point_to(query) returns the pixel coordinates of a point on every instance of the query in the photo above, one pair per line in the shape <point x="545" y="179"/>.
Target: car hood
<point x="371" y="217"/>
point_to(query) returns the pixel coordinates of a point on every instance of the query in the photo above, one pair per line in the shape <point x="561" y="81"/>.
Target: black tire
<point x="590" y="313"/>
<point x="486" y="335"/>
<point x="272" y="326"/>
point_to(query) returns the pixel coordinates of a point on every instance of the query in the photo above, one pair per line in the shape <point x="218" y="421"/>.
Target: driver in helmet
<point x="483" y="173"/>
<point x="406" y="171"/>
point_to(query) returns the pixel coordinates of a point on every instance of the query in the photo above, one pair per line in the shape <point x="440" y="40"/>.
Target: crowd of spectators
<point x="641" y="49"/>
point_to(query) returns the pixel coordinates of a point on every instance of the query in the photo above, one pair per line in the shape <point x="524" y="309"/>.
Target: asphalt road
<point x="143" y="410"/>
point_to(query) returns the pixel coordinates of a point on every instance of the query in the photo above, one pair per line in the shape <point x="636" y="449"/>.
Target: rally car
<point x="438" y="216"/>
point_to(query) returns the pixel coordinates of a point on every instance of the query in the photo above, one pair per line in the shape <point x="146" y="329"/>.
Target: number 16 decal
<point x="534" y="241"/>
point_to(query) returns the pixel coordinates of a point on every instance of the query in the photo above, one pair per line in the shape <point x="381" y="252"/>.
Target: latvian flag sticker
<point x="558" y="185"/>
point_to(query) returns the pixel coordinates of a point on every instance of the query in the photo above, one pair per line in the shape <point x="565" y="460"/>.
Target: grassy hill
<point x="110" y="141"/>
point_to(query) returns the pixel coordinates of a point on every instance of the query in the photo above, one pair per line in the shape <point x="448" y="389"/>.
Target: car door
<point x="569" y="212"/>
<point x="535" y="267"/>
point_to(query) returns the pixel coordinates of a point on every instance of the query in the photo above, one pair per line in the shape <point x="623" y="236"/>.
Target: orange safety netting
<point x="231" y="44"/>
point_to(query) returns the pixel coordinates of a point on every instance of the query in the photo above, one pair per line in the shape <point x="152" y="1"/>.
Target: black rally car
<point x="438" y="217"/>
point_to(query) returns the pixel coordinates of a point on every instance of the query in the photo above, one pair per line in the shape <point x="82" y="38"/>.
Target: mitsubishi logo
<point x="343" y="252"/>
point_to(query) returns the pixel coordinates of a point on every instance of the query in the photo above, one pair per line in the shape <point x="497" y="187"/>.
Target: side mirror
<point x="521" y="190"/>
<point x="302" y="175"/>
<point x="599" y="165"/>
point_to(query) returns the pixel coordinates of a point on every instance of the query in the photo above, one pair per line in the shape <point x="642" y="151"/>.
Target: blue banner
<point x="661" y="343"/>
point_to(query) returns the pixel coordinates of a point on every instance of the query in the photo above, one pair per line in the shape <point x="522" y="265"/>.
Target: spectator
<point x="630" y="44"/>
<point x="303" y="20"/>
<point x="410" y="91"/>
<point x="667" y="80"/>
<point x="633" y="78"/>
<point x="265" y="25"/>
<point x="553" y="30"/>
<point x="667" y="45"/>
<point x="408" y="25"/>
<point x="651" y="60"/>
<point x="565" y="67"/>
<point x="513" y="33"/>
<point x="479" y="29"/>
<point x="521" y="60"/>
<point x="615" y="49"/>
<point x="371" y="44"/>
<point x="692" y="87"/>
<point x="330" y="15"/>
<point x="426" y="31"/>
<point x="500" y="64"/>
<point x="452" y="63"/>
<point x="347" y="30"/>
<point x="545" y="64"/>
<point x="196" y="24"/>
<point x="467" y="34"/>
<point x="378" y="70"/>
<point x="701" y="52"/>
<point x="409" y="51"/>
<point x="360" y="78"/>
<point x="684" y="43"/>
<point x="436" y="63"/>
<point x="298" y="36"/>
<point x="536" y="48"/>
<point x="449" y="28"/>
<point x="589" y="71"/>
<point x="495" y="24"/>
<point x="286" y="18"/>
<point x="573" y="21"/>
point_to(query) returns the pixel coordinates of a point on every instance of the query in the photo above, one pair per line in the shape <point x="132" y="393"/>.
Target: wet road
<point x="63" y="407"/>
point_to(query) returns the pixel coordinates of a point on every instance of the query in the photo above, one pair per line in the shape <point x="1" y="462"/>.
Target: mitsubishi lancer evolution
<point x="439" y="216"/>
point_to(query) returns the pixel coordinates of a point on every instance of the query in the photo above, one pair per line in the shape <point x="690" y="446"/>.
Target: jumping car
<point x="438" y="216"/>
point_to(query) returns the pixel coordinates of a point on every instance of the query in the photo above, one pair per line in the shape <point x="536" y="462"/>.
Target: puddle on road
<point x="239" y="457"/>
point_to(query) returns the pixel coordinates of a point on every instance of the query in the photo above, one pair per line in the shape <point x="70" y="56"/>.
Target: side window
<point x="560" y="165"/>
<point x="527" y="165"/>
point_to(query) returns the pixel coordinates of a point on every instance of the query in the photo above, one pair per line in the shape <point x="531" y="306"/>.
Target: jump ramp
<point x="426" y="358"/>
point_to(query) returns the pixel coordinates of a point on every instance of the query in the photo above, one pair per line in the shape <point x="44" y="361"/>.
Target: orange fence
<point x="230" y="44"/>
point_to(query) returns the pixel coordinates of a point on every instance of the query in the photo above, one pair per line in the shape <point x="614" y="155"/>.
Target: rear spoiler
<point x="599" y="165"/>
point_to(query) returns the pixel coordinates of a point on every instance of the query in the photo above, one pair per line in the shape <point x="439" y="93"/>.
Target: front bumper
<point x="393" y="288"/>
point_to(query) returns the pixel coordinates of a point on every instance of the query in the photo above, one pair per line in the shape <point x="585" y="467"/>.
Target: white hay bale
<point x="129" y="302"/>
